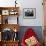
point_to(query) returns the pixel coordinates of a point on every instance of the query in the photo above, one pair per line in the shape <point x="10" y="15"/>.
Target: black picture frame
<point x="29" y="13"/>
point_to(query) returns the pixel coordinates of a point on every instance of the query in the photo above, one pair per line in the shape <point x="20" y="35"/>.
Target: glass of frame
<point x="5" y="12"/>
<point x="29" y="13"/>
<point x="10" y="19"/>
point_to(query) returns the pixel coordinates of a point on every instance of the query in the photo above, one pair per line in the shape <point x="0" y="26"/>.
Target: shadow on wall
<point x="37" y="29"/>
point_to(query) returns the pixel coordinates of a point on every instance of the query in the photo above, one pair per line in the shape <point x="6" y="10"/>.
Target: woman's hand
<point x="32" y="41"/>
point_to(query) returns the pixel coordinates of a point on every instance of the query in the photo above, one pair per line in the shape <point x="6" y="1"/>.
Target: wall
<point x="39" y="12"/>
<point x="27" y="4"/>
<point x="7" y="3"/>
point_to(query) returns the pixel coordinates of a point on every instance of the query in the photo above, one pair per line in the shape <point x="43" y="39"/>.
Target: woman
<point x="30" y="39"/>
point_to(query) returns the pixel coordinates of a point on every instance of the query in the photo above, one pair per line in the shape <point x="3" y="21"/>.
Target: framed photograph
<point x="13" y="12"/>
<point x="10" y="19"/>
<point x="29" y="13"/>
<point x="5" y="12"/>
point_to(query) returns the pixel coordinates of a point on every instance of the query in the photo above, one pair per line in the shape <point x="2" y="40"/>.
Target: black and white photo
<point x="29" y="13"/>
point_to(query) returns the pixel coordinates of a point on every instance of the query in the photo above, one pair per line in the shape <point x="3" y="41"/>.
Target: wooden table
<point x="9" y="43"/>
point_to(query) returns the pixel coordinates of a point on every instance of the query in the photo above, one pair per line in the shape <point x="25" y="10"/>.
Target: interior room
<point x="22" y="22"/>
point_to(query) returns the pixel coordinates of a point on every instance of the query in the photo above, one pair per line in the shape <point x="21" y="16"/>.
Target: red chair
<point x="29" y="33"/>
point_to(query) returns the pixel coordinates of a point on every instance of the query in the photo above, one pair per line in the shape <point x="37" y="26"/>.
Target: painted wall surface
<point x="39" y="12"/>
<point x="7" y="3"/>
<point x="38" y="21"/>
